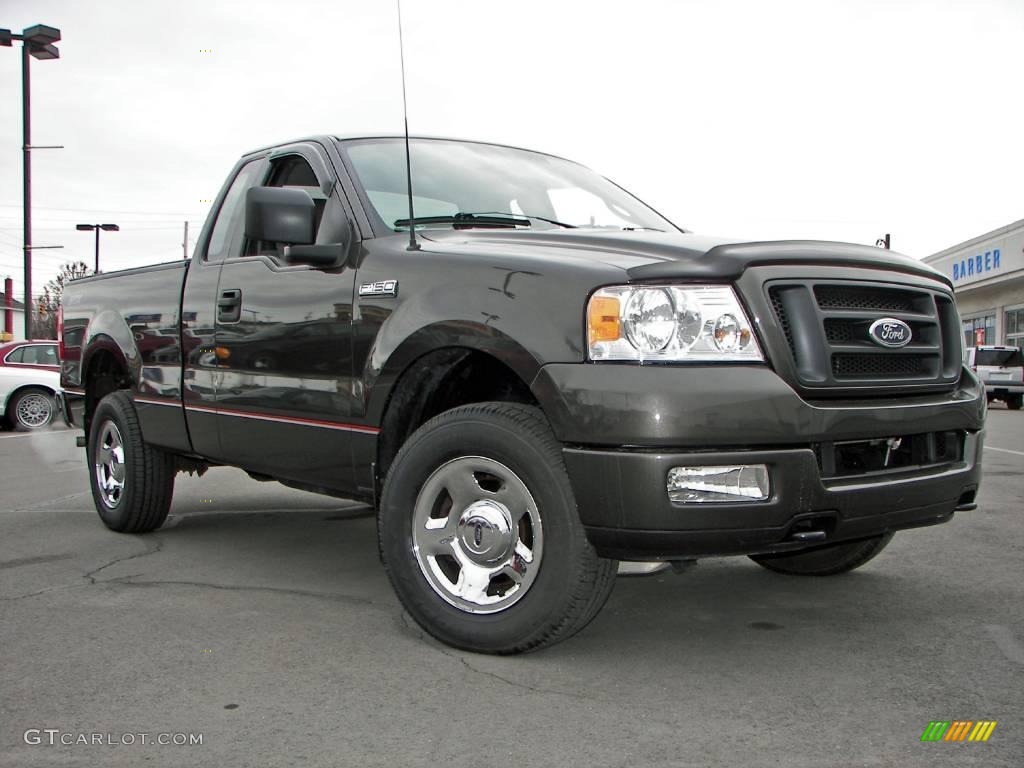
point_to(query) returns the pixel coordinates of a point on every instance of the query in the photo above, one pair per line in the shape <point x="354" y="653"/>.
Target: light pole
<point x="37" y="42"/>
<point x="97" y="227"/>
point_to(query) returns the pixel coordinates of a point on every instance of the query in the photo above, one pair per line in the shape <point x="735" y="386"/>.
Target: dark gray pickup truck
<point x="543" y="377"/>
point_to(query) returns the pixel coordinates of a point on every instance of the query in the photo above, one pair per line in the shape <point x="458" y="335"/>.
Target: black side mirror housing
<point x="324" y="256"/>
<point x="280" y="215"/>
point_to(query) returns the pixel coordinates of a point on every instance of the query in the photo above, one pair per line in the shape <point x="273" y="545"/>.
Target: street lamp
<point x="36" y="42"/>
<point x="97" y="227"/>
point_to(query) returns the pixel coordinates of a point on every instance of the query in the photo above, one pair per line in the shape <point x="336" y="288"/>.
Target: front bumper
<point x="624" y="428"/>
<point x="627" y="514"/>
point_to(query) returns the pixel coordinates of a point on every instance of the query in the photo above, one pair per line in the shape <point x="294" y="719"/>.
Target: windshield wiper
<point x="482" y="219"/>
<point x="531" y="216"/>
<point x="467" y="220"/>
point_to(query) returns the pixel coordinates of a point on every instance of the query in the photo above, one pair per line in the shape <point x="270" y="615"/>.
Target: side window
<point x="40" y="354"/>
<point x="17" y="356"/>
<point x="226" y="238"/>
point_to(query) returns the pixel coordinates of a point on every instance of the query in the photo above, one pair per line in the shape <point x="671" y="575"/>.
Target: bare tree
<point x="45" y="325"/>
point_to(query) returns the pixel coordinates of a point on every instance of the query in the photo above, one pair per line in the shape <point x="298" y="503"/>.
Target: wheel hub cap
<point x="109" y="464"/>
<point x="485" y="531"/>
<point x="33" y="411"/>
<point x="477" y="535"/>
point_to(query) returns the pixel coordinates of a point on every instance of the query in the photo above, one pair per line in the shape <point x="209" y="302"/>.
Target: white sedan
<point x="29" y="379"/>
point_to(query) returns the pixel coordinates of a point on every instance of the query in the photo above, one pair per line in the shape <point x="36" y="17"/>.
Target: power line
<point x="102" y="210"/>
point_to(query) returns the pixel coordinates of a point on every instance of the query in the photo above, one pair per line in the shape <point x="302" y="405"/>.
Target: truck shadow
<point x="707" y="613"/>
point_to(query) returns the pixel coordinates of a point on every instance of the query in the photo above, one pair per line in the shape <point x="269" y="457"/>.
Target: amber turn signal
<point x="603" y="319"/>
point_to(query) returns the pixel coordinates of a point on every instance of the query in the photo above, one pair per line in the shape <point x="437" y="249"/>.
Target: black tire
<point x="570" y="583"/>
<point x="31" y="408"/>
<point x="1014" y="402"/>
<point x="145" y="474"/>
<point x="825" y="561"/>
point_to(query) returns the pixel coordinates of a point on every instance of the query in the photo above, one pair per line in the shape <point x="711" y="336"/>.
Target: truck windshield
<point x="1004" y="358"/>
<point x="453" y="181"/>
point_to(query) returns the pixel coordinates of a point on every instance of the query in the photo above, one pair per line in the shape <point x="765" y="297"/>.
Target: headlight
<point x="669" y="323"/>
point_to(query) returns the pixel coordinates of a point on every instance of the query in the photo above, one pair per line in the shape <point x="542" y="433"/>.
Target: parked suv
<point x="1002" y="371"/>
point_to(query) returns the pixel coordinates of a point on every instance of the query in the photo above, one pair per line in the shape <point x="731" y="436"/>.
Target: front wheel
<point x="829" y="560"/>
<point x="32" y="408"/>
<point x="132" y="483"/>
<point x="480" y="534"/>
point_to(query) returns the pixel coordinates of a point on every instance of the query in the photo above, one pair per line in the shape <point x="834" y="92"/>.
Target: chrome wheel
<point x="34" y="410"/>
<point x="109" y="464"/>
<point x="477" y="535"/>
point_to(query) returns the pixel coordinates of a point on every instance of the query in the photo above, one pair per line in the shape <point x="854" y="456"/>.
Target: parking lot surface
<point x="260" y="619"/>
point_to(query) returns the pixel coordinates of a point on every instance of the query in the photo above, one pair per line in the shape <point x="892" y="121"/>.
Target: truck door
<point x="222" y="237"/>
<point x="284" y="347"/>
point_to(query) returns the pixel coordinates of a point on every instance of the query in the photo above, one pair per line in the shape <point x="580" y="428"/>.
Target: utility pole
<point x="883" y="242"/>
<point x="184" y="244"/>
<point x="26" y="132"/>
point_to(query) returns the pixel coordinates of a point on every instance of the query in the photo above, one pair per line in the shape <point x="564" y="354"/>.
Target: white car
<point x="1001" y="369"/>
<point x="29" y="380"/>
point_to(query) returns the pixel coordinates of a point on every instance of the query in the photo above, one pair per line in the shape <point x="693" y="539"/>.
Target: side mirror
<point x="280" y="215"/>
<point x="322" y="255"/>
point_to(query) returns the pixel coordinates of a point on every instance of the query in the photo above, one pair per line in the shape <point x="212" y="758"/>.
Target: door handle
<point x="229" y="306"/>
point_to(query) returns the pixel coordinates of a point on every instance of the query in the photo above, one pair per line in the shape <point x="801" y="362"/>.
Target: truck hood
<point x="646" y="255"/>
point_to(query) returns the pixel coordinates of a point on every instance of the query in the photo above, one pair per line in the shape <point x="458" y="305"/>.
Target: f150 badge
<point x="890" y="332"/>
<point x="380" y="288"/>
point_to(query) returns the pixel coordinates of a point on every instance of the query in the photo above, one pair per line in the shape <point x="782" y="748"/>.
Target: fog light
<point x="746" y="482"/>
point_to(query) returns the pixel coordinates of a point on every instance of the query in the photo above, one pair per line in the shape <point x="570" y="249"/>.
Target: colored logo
<point x="890" y="332"/>
<point x="958" y="730"/>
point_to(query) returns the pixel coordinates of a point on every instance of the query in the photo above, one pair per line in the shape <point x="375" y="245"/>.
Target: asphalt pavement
<point x="260" y="621"/>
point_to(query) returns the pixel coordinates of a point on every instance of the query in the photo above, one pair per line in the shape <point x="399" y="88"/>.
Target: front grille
<point x="856" y="458"/>
<point x="879" y="366"/>
<point x="827" y="329"/>
<point x="858" y="297"/>
<point x="781" y="315"/>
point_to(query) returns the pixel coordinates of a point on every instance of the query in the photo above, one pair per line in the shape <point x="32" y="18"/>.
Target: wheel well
<point x="105" y="374"/>
<point x="437" y="382"/>
<point x="15" y="392"/>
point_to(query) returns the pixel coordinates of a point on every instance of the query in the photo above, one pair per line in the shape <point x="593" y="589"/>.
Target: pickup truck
<point x="530" y="374"/>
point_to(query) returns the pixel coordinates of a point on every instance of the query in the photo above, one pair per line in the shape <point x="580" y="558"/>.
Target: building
<point x="988" y="281"/>
<point x="13" y="327"/>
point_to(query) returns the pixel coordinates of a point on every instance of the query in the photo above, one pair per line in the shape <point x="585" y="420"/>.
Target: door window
<point x="37" y="354"/>
<point x="291" y="171"/>
<point x="226" y="238"/>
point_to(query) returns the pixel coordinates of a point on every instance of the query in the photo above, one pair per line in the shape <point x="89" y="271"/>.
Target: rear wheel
<point x="32" y="408"/>
<point x="825" y="561"/>
<point x="480" y="534"/>
<point x="132" y="483"/>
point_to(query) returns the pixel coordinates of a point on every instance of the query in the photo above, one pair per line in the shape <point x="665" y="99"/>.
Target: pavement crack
<point x="130" y="581"/>
<point x="459" y="657"/>
<point x="40" y="592"/>
<point x="91" y="575"/>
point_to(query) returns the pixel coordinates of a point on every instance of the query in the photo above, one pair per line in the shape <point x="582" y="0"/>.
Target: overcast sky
<point x="820" y="119"/>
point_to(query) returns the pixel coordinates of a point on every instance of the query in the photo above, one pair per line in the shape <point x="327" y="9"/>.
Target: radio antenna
<point x="413" y="245"/>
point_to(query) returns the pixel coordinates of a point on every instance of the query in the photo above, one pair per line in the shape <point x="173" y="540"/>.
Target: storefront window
<point x="1015" y="328"/>
<point x="979" y="331"/>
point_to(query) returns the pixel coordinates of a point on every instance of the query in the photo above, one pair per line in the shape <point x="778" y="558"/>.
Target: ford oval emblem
<point x="890" y="332"/>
